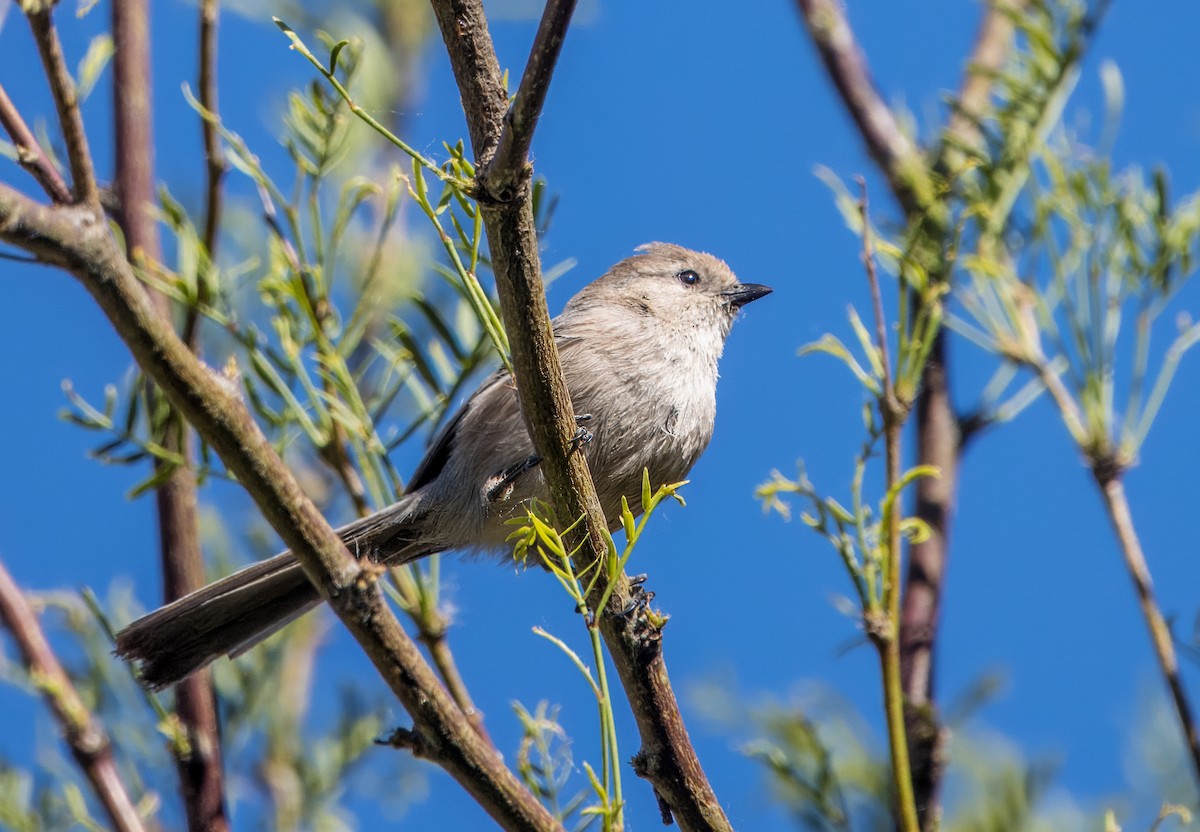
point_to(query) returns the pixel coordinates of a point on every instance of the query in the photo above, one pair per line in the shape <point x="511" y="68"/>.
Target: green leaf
<point x="831" y="345"/>
<point x="874" y="356"/>
<point x="98" y="54"/>
<point x="334" y="53"/>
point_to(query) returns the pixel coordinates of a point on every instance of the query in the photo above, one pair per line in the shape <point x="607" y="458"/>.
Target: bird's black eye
<point x="688" y="278"/>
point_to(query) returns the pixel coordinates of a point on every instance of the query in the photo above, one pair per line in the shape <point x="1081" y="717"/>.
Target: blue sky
<point x="698" y="124"/>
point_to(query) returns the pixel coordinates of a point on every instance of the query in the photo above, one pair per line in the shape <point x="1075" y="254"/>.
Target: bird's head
<point x="673" y="286"/>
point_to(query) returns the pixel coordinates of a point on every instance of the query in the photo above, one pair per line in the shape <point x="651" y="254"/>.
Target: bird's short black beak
<point x="743" y="293"/>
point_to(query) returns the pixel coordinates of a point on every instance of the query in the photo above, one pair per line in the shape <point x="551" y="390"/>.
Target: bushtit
<point x="639" y="349"/>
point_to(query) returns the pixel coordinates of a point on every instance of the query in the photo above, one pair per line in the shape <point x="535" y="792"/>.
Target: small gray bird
<point x="639" y="348"/>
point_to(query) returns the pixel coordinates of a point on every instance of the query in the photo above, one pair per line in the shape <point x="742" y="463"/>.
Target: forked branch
<point x="667" y="758"/>
<point x="29" y="153"/>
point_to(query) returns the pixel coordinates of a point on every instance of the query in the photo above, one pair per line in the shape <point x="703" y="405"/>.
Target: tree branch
<point x="940" y="444"/>
<point x="214" y="162"/>
<point x="509" y="167"/>
<point x="134" y="139"/>
<point x="77" y="239"/>
<point x="200" y="768"/>
<point x="477" y="70"/>
<point x="667" y="758"/>
<point x="431" y="629"/>
<point x="1108" y="472"/>
<point x="29" y="152"/>
<point x="993" y="44"/>
<point x="86" y="737"/>
<point x="897" y="156"/>
<point x="911" y="181"/>
<point x="62" y="89"/>
<point x="1116" y="504"/>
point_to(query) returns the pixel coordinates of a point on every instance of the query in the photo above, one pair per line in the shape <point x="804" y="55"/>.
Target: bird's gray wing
<point x="438" y="454"/>
<point x="492" y="397"/>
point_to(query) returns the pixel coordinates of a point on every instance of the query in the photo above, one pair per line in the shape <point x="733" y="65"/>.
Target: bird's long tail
<point x="232" y="615"/>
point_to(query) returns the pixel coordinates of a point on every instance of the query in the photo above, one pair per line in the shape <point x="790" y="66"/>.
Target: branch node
<point x="410" y="740"/>
<point x="878" y="628"/>
<point x="503" y="188"/>
<point x="1106" y="465"/>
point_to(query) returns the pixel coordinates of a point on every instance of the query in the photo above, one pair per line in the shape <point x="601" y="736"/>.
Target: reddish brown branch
<point x="666" y="758"/>
<point x="214" y="162"/>
<point x="134" y="140"/>
<point x="66" y="103"/>
<point x="83" y="733"/>
<point x="29" y="153"/>
<point x="940" y="444"/>
<point x="199" y="765"/>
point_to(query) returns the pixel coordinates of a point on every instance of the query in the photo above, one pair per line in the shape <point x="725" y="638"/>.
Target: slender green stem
<point x="885" y="633"/>
<point x="416" y="155"/>
<point x="480" y="303"/>
<point x="889" y="645"/>
<point x="612" y="768"/>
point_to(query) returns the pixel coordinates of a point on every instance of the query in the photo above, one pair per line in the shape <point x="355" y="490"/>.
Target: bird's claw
<point x="500" y="487"/>
<point x="640" y="598"/>
<point x="582" y="437"/>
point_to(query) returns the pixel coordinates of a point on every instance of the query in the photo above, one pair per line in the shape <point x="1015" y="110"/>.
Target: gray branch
<point x="667" y="759"/>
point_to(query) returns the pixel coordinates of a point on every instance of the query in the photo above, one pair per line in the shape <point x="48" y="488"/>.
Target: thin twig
<point x="1116" y="503"/>
<point x="1068" y="408"/>
<point x="667" y="758"/>
<point x="868" y="260"/>
<point x="1108" y="472"/>
<point x="83" y="732"/>
<point x="502" y="176"/>
<point x="431" y="629"/>
<point x="29" y="153"/>
<point x="214" y="161"/>
<point x="333" y="453"/>
<point x="66" y="102"/>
